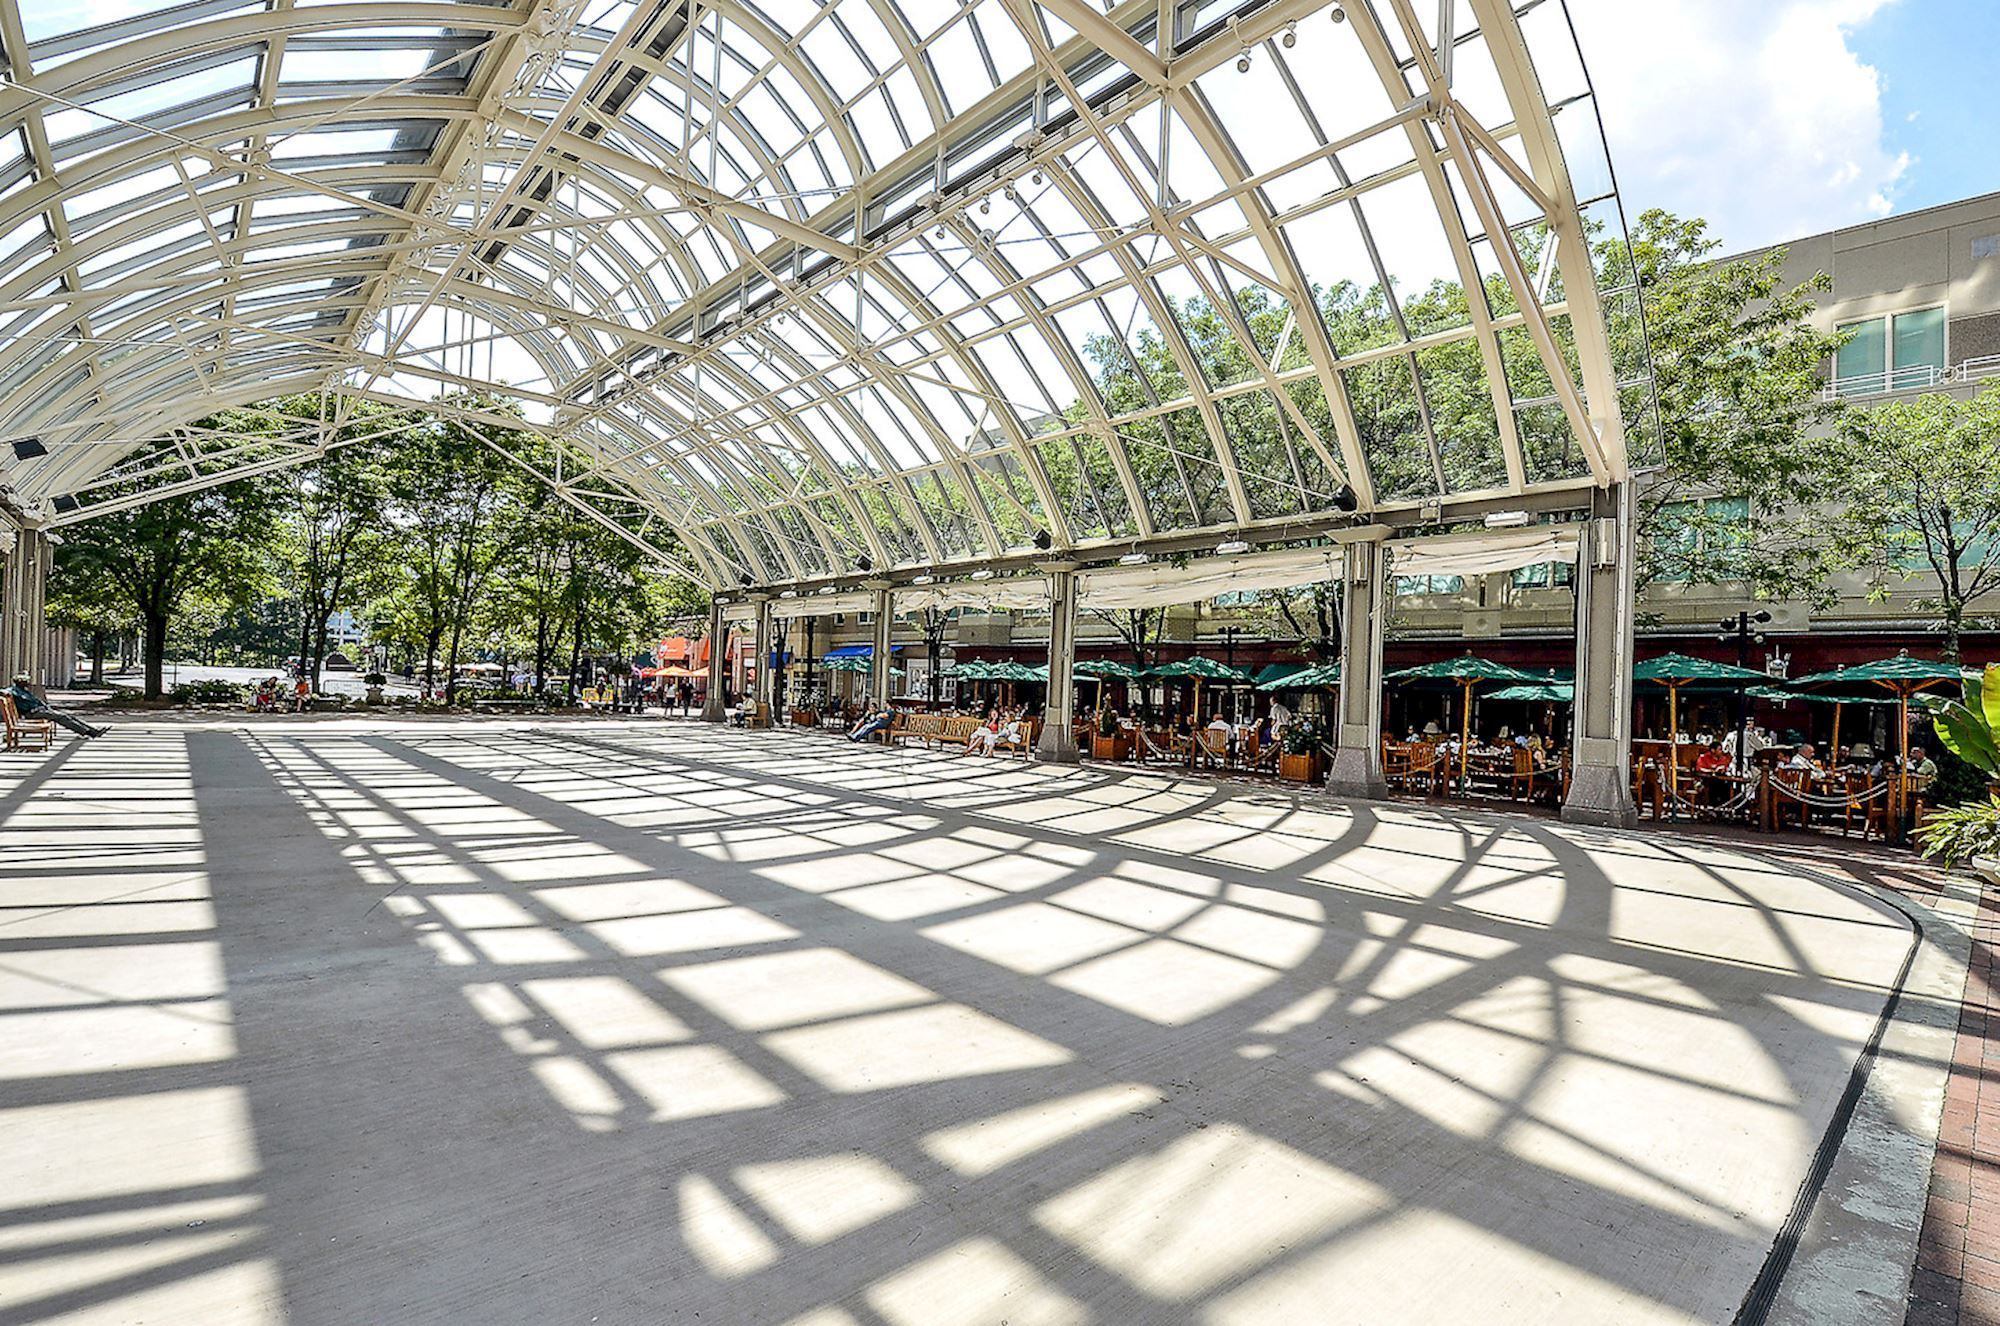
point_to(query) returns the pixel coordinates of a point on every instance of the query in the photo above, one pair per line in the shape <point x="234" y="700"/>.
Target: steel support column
<point x="10" y="569"/>
<point x="1357" y="727"/>
<point x="22" y="644"/>
<point x="1057" y="743"/>
<point x="879" y="661"/>
<point x="712" y="710"/>
<point x="1600" y="790"/>
<point x="760" y="680"/>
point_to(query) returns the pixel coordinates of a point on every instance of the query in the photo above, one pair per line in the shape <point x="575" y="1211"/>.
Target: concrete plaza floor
<point x="345" y="1022"/>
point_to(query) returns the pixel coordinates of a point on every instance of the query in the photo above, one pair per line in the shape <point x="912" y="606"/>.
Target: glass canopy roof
<point x="855" y="283"/>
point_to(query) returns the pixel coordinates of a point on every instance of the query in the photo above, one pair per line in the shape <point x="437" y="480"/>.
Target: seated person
<point x="987" y="732"/>
<point x="1006" y="727"/>
<point x="872" y="722"/>
<point x="30" y="705"/>
<point x="1712" y="760"/>
<point x="1921" y="768"/>
<point x="1804" y="758"/>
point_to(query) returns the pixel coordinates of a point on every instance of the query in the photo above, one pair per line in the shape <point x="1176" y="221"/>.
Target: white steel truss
<point x="802" y="287"/>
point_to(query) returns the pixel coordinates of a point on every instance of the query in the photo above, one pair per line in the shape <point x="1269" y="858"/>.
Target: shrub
<point x="1303" y="736"/>
<point x="374" y="679"/>
<point x="213" y="691"/>
<point x="1959" y="833"/>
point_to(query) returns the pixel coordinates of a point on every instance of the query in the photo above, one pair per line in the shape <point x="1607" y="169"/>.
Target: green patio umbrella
<point x="1674" y="671"/>
<point x="1306" y="678"/>
<point x="1894" y="679"/>
<point x="1537" y="692"/>
<point x="1466" y="671"/>
<point x="1201" y="669"/>
<point x="1100" y="670"/>
<point x="1271" y="673"/>
<point x="853" y="664"/>
<point x="1838" y="700"/>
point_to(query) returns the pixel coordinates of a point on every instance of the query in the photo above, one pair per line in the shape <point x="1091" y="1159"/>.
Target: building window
<point x="1690" y="529"/>
<point x="1543" y="575"/>
<point x="1897" y="353"/>
<point x="1430" y="584"/>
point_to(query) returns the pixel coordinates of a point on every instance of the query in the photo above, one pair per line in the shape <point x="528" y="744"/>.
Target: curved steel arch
<point x="902" y="285"/>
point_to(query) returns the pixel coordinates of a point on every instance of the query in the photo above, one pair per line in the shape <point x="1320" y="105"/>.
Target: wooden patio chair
<point x="25" y="733"/>
<point x="1787" y="787"/>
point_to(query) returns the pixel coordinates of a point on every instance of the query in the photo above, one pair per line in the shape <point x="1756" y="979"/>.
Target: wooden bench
<point x="25" y="733"/>
<point x="934" y="730"/>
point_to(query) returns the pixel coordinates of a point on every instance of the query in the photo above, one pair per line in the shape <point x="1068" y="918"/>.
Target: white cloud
<point x="1758" y="116"/>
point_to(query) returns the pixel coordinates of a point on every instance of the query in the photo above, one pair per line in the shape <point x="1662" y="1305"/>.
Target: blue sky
<point x="1780" y="118"/>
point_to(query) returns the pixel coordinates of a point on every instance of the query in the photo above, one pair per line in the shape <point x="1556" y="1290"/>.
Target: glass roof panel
<point x="1110" y="325"/>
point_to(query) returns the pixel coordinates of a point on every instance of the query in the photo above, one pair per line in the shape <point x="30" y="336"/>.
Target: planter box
<point x="805" y="718"/>
<point x="1298" y="768"/>
<point x="1115" y="749"/>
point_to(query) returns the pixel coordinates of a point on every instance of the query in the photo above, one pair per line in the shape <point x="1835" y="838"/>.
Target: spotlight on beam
<point x="745" y="579"/>
<point x="864" y="563"/>
<point x="1344" y="499"/>
<point x="63" y="503"/>
<point x="28" y="448"/>
<point x="1044" y="540"/>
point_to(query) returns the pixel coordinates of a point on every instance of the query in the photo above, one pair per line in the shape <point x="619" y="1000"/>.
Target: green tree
<point x="445" y="493"/>
<point x="1923" y="495"/>
<point x="215" y="544"/>
<point x="95" y="607"/>
<point x="334" y="530"/>
<point x="1737" y="372"/>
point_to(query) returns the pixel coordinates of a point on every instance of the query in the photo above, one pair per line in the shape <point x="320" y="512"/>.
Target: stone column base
<point x="712" y="710"/>
<point x="1601" y="795"/>
<point x="1354" y="777"/>
<point x="1057" y="746"/>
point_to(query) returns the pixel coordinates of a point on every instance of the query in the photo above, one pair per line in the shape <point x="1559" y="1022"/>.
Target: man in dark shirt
<point x="31" y="705"/>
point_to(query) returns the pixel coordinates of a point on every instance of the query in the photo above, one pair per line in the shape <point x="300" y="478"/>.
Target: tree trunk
<point x="541" y="649"/>
<point x="97" y="658"/>
<point x="1954" y="627"/>
<point x="156" y="652"/>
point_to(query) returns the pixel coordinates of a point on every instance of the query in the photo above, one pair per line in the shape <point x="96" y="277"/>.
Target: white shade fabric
<point x="1159" y="583"/>
<point x="989" y="595"/>
<point x="1483" y="551"/>
<point x="819" y="605"/>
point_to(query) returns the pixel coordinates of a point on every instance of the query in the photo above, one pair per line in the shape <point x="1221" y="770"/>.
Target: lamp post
<point x="1741" y="628"/>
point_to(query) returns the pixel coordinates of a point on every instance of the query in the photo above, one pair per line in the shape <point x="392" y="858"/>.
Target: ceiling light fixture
<point x="788" y="593"/>
<point x="1134" y="559"/>
<point x="983" y="573"/>
<point x="1243" y="61"/>
<point x="1344" y="498"/>
<point x="1506" y="520"/>
<point x="1044" y="540"/>
<point x="864" y="563"/>
<point x="1230" y="547"/>
<point x="1291" y="37"/>
<point x="922" y="580"/>
<point x="1339" y="14"/>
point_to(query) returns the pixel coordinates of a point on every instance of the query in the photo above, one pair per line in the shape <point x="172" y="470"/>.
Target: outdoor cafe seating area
<point x="1843" y="751"/>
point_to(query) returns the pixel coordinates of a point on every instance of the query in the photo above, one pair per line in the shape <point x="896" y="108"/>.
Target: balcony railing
<point x="1921" y="377"/>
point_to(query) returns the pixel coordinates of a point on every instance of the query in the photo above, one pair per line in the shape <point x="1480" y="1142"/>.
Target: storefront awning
<point x="856" y="651"/>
